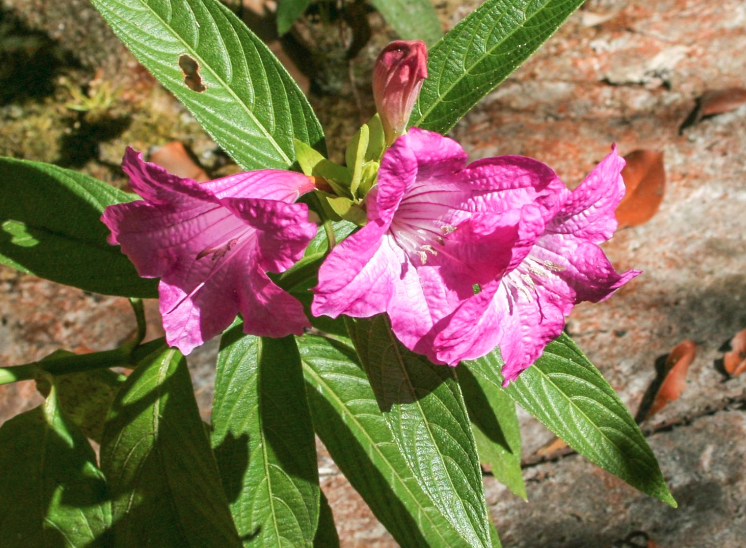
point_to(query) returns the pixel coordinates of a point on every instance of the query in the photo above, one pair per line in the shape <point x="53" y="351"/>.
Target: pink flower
<point x="400" y="69"/>
<point x="435" y="228"/>
<point x="525" y="309"/>
<point x="212" y="244"/>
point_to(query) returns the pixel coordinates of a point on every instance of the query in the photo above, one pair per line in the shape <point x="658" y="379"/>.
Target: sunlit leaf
<point x="423" y="407"/>
<point x="263" y="440"/>
<point x="226" y="76"/>
<point x="51" y="493"/>
<point x="163" y="480"/>
<point x="50" y="226"/>
<point x="566" y="393"/>
<point x="482" y="51"/>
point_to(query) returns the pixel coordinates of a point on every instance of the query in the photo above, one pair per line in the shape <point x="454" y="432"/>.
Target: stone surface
<point x="619" y="71"/>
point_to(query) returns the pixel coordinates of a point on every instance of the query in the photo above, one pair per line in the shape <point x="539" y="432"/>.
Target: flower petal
<point x="156" y="185"/>
<point x="265" y="184"/>
<point x="586" y="273"/>
<point x="283" y="230"/>
<point x="588" y="212"/>
<point x="268" y="310"/>
<point x="357" y="277"/>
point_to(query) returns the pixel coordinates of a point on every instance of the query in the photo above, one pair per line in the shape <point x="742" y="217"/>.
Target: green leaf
<point x="326" y="534"/>
<point x="50" y="226"/>
<point x="569" y="396"/>
<point x="314" y="163"/>
<point x="245" y="98"/>
<point x="85" y="397"/>
<point x="51" y="493"/>
<point x="494" y="422"/>
<point x="425" y="411"/>
<point x="411" y="19"/>
<point x="288" y="11"/>
<point x="163" y="480"/>
<point x="263" y="440"/>
<point x="348" y="420"/>
<point x="482" y="51"/>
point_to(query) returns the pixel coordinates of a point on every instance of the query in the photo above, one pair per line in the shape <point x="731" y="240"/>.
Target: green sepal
<point x="339" y="208"/>
<point x="363" y="156"/>
<point x="312" y="163"/>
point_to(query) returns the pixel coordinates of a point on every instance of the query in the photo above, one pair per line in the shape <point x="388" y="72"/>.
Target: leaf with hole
<point x="263" y="440"/>
<point x="482" y="51"/>
<point x="567" y="394"/>
<point x="163" y="480"/>
<point x="50" y="226"/>
<point x="232" y="83"/>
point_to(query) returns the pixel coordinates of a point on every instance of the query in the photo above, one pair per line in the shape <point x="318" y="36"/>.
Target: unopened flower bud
<point x="397" y="78"/>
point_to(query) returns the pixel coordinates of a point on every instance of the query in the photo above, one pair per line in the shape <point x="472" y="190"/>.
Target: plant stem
<point x="77" y="363"/>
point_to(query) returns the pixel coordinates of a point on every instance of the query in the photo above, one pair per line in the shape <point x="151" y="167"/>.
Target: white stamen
<point x="423" y="257"/>
<point x="448" y="229"/>
<point x="429" y="249"/>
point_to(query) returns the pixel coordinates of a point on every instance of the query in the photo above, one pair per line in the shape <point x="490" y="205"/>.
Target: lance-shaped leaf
<point x="348" y="420"/>
<point x="411" y="19"/>
<point x="263" y="440"/>
<point x="425" y="411"/>
<point x="51" y="493"/>
<point x="482" y="51"/>
<point x="232" y="83"/>
<point x="288" y="11"/>
<point x="156" y="456"/>
<point x="50" y="226"/>
<point x="565" y="392"/>
<point x="494" y="422"/>
<point x="326" y="533"/>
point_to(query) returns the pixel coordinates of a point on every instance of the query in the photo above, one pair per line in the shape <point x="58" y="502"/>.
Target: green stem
<point x="77" y="363"/>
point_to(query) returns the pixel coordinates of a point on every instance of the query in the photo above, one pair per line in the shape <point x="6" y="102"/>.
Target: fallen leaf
<point x="715" y="101"/>
<point x="652" y="544"/>
<point x="674" y="382"/>
<point x="552" y="447"/>
<point x="174" y="158"/>
<point x="735" y="360"/>
<point x="645" y="180"/>
<point x="721" y="100"/>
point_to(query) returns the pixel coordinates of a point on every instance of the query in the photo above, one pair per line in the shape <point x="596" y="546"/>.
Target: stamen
<point x="448" y="229"/>
<point x="217" y="252"/>
<point x="429" y="249"/>
<point x="423" y="257"/>
<point x="554" y="267"/>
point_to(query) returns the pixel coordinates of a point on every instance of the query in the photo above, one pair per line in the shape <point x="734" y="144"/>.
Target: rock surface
<point x="624" y="72"/>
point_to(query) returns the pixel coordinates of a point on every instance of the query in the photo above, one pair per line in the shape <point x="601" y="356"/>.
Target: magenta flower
<point x="435" y="228"/>
<point x="398" y="75"/>
<point x="525" y="309"/>
<point x="212" y="244"/>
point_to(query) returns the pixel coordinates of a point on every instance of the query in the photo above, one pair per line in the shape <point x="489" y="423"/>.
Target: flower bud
<point x="397" y="78"/>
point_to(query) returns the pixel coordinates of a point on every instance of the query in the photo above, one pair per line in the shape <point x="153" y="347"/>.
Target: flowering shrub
<point x="397" y="306"/>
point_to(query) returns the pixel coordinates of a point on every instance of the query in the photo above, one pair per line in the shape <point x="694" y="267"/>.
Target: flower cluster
<point x="462" y="257"/>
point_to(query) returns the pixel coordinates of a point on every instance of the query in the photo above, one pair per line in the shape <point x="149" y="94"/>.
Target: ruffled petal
<point x="357" y="277"/>
<point x="437" y="156"/>
<point x="160" y="239"/>
<point x="268" y="310"/>
<point x="580" y="270"/>
<point x="283" y="230"/>
<point x="588" y="213"/>
<point x="503" y="183"/>
<point x="157" y="186"/>
<point x="264" y="184"/>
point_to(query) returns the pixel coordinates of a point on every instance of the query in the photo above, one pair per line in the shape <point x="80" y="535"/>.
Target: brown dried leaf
<point x="645" y="179"/>
<point x="552" y="447"/>
<point x="719" y="101"/>
<point x="735" y="360"/>
<point x="174" y="158"/>
<point x="674" y="383"/>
